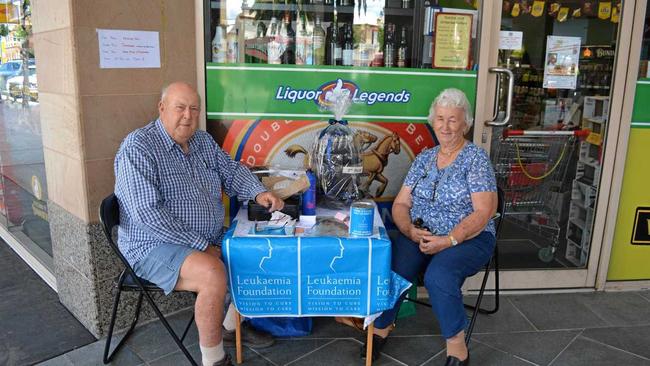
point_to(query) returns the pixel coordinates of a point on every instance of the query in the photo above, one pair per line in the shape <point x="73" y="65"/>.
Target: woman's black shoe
<point x="377" y="345"/>
<point x="453" y="361"/>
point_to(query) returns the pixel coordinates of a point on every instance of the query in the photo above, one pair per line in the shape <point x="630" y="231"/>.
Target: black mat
<point x="34" y="326"/>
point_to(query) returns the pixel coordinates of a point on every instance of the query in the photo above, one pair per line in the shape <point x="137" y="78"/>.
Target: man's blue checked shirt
<point x="167" y="196"/>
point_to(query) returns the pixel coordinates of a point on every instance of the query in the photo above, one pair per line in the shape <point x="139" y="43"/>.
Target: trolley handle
<point x="578" y="133"/>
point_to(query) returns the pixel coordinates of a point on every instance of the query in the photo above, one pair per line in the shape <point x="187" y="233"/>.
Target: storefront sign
<point x="453" y="41"/>
<point x="294" y="92"/>
<point x="562" y="55"/>
<point x="641" y="231"/>
<point x="126" y="49"/>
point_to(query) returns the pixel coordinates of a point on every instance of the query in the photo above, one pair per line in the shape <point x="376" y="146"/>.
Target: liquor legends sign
<point x="283" y="91"/>
<point x="324" y="95"/>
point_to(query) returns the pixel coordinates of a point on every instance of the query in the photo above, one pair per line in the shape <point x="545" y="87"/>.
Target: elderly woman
<point x="443" y="213"/>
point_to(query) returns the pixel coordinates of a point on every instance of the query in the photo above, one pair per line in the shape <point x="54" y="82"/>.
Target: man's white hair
<point x="454" y="98"/>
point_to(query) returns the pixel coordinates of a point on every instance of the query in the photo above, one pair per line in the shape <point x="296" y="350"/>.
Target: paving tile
<point x="617" y="308"/>
<point x="645" y="294"/>
<point x="41" y="331"/>
<point x="26" y="292"/>
<point x="538" y="347"/>
<point x="92" y="354"/>
<point x="586" y="352"/>
<point x="287" y="350"/>
<point x="483" y="355"/>
<point x="557" y="311"/>
<point x="339" y="352"/>
<point x="506" y="319"/>
<point x="414" y="350"/>
<point x="631" y="339"/>
<point x="151" y="341"/>
<point x="62" y="360"/>
<point x="327" y="327"/>
<point x="178" y="358"/>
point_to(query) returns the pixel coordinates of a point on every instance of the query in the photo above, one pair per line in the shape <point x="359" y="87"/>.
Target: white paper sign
<point x="561" y="63"/>
<point x="509" y="40"/>
<point x="125" y="49"/>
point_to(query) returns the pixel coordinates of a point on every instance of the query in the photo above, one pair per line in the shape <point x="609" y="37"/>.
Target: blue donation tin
<point x="309" y="196"/>
<point x="362" y="217"/>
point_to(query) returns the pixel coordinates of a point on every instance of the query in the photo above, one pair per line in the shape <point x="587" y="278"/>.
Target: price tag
<point x="594" y="139"/>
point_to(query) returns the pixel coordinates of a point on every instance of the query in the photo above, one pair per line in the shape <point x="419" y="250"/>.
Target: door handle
<point x="511" y="85"/>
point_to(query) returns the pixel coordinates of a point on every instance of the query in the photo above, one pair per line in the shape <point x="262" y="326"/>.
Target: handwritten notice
<point x="125" y="49"/>
<point x="452" y="45"/>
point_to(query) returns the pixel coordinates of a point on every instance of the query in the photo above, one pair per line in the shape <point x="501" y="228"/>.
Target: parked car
<point x="15" y="85"/>
<point x="10" y="69"/>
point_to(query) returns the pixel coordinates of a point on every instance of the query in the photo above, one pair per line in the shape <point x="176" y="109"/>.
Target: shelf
<point x="322" y="8"/>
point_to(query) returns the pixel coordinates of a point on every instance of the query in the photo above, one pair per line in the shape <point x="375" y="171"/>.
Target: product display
<point x="397" y="33"/>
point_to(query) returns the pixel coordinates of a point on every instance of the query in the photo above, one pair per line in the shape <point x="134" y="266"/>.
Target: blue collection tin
<point x="362" y="216"/>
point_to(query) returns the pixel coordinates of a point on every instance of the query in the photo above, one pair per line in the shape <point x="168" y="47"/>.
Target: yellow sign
<point x="453" y="41"/>
<point x="563" y="14"/>
<point x="9" y="14"/>
<point x="604" y="9"/>
<point x="615" y="15"/>
<point x="515" y="10"/>
<point x="594" y="138"/>
<point x="538" y="8"/>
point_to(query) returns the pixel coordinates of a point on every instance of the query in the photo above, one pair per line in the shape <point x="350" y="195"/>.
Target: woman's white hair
<point x="455" y="98"/>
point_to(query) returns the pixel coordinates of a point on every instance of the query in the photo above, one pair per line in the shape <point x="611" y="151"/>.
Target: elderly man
<point x="169" y="178"/>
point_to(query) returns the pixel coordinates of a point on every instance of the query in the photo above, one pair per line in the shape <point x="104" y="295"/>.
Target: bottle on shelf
<point x="318" y="43"/>
<point x="406" y="4"/>
<point x="389" y="45"/>
<point x="334" y="54"/>
<point x="219" y="47"/>
<point x="232" y="52"/>
<point x="274" y="47"/>
<point x="304" y="48"/>
<point x="348" y="46"/>
<point x="345" y="2"/>
<point x="402" y="50"/>
<point x="287" y="40"/>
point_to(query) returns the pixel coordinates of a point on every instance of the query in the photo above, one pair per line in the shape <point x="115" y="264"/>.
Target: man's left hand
<point x="270" y="201"/>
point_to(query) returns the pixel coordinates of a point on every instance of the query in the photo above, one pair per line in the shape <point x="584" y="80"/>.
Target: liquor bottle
<point x="348" y="46"/>
<point x="318" y="43"/>
<point x="389" y="45"/>
<point x="406" y="4"/>
<point x="232" y="52"/>
<point x="304" y="48"/>
<point x="334" y="56"/>
<point x="219" y="46"/>
<point x="345" y="2"/>
<point x="402" y="50"/>
<point x="329" y="2"/>
<point x="274" y="48"/>
<point x="288" y="41"/>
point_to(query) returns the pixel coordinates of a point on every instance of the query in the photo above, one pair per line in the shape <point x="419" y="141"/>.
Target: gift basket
<point x="335" y="156"/>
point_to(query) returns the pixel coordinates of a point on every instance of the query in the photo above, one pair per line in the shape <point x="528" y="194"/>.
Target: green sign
<point x="641" y="111"/>
<point x="299" y="92"/>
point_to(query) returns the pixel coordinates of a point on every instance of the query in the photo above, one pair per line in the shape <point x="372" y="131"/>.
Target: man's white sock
<point x="210" y="355"/>
<point x="230" y="320"/>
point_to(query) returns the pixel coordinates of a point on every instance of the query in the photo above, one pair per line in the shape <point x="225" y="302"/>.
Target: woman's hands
<point x="432" y="244"/>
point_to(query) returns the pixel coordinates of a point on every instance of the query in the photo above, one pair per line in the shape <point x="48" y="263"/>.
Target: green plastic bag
<point x="408" y="307"/>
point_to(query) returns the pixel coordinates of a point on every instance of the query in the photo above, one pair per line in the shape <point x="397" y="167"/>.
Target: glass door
<point x="550" y="67"/>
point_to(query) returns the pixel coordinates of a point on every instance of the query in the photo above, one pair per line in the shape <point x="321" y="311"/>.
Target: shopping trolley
<point x="528" y="165"/>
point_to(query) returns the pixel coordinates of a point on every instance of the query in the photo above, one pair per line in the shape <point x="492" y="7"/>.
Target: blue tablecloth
<point x="311" y="276"/>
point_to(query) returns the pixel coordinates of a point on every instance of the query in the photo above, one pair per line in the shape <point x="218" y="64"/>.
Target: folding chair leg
<point x="171" y="332"/>
<point x="187" y="327"/>
<point x="108" y="357"/>
<point x="238" y="337"/>
<point x="496" y="289"/>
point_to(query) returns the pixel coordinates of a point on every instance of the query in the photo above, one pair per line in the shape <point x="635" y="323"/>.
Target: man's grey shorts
<point x="162" y="265"/>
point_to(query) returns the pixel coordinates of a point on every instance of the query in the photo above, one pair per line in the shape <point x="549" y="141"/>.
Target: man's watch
<point x="453" y="240"/>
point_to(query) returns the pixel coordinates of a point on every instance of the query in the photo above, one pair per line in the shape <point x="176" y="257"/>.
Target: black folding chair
<point x="494" y="259"/>
<point x="109" y="215"/>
